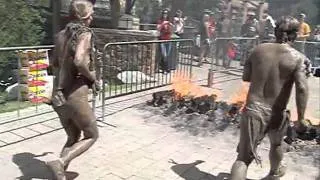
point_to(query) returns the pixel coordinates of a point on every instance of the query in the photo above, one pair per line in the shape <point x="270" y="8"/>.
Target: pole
<point x="56" y="8"/>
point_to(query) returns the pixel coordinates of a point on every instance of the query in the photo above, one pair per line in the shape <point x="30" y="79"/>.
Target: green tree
<point x="20" y="25"/>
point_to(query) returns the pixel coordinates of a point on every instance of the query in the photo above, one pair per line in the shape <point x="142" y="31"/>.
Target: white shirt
<point x="178" y="25"/>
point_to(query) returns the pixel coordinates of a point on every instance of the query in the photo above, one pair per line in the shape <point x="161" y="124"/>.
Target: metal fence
<point x="11" y="87"/>
<point x="129" y="67"/>
<point x="311" y="50"/>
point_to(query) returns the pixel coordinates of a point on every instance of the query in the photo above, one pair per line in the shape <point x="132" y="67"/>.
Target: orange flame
<point x="241" y="95"/>
<point x="184" y="86"/>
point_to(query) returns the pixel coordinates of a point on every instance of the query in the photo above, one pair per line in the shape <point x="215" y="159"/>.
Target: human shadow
<point x="33" y="168"/>
<point x="191" y="172"/>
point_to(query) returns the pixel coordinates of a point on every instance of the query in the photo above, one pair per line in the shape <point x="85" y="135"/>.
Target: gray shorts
<point x="257" y="121"/>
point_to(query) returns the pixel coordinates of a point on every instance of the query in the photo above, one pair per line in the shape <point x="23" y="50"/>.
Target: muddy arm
<point x="82" y="56"/>
<point x="302" y="93"/>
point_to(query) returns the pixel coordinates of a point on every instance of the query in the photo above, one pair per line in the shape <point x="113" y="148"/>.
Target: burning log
<point x="202" y="105"/>
<point x="161" y="98"/>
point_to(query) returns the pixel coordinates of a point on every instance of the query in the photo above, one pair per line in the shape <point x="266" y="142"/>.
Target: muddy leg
<point x="277" y="169"/>
<point x="90" y="133"/>
<point x="73" y="133"/>
<point x="240" y="166"/>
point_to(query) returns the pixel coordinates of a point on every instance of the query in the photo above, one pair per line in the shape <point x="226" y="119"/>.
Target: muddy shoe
<point x="57" y="169"/>
<point x="276" y="175"/>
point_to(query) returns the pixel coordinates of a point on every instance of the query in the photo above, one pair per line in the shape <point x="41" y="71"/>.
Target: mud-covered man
<point x="272" y="69"/>
<point x="72" y="66"/>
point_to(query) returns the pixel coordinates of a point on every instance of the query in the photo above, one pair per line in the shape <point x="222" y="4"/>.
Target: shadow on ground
<point x="33" y="168"/>
<point x="191" y="172"/>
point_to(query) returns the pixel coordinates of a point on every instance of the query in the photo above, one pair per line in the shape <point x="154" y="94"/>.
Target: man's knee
<point x="91" y="132"/>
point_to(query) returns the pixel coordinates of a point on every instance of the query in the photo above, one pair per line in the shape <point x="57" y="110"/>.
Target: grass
<point x="10" y="106"/>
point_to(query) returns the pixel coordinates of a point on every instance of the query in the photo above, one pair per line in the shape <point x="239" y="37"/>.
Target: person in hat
<point x="272" y="69"/>
<point x="73" y="56"/>
<point x="303" y="34"/>
<point x="250" y="29"/>
<point x="304" y="28"/>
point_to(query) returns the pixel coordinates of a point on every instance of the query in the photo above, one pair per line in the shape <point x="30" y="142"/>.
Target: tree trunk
<point x="115" y="13"/>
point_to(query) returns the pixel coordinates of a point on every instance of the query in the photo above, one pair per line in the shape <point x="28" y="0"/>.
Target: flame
<point x="241" y="95"/>
<point x="184" y="86"/>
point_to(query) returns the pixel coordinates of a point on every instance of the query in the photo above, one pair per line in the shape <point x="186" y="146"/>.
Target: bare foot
<point x="57" y="169"/>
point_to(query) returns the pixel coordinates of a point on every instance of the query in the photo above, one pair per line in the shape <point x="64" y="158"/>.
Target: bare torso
<point x="272" y="77"/>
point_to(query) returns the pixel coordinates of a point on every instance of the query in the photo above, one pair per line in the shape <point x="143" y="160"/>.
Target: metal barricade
<point x="230" y="53"/>
<point x="311" y="50"/>
<point x="130" y="67"/>
<point x="11" y="88"/>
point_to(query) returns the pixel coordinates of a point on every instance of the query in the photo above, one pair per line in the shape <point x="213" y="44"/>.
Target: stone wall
<point x="135" y="57"/>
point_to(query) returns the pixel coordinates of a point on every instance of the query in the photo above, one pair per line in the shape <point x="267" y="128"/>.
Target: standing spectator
<point x="205" y="37"/>
<point x="212" y="25"/>
<point x="316" y="34"/>
<point x="179" y="22"/>
<point x="303" y="34"/>
<point x="266" y="28"/>
<point x="165" y="28"/>
<point x="250" y="29"/>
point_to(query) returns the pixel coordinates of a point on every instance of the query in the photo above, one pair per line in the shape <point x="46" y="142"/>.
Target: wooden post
<point x="56" y="8"/>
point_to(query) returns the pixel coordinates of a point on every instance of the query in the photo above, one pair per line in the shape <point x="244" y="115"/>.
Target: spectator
<point x="316" y="34"/>
<point x="179" y="22"/>
<point x="303" y="34"/>
<point x="165" y="28"/>
<point x="266" y="28"/>
<point x="205" y="37"/>
<point x="249" y="29"/>
<point x="212" y="25"/>
<point x="222" y="31"/>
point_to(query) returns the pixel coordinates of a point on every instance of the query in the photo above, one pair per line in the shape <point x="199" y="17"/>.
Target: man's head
<point x="165" y="14"/>
<point x="251" y="15"/>
<point x="286" y="29"/>
<point x="302" y="17"/>
<point x="179" y="13"/>
<point x="206" y="17"/>
<point x="81" y="10"/>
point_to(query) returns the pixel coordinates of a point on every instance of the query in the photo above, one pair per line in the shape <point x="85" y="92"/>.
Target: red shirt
<point x="165" y="29"/>
<point x="212" y="26"/>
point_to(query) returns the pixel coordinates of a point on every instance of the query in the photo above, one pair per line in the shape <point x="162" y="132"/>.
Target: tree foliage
<point x="20" y="25"/>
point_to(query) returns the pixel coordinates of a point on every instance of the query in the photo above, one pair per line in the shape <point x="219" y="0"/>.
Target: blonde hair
<point x="81" y="9"/>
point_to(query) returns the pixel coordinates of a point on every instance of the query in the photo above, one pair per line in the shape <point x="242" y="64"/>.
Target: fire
<point x="184" y="86"/>
<point x="241" y="95"/>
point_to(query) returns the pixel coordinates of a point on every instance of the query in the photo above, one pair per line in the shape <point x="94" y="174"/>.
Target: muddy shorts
<point x="257" y="121"/>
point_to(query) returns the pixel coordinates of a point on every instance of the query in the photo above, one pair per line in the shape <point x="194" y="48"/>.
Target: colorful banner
<point x="33" y="73"/>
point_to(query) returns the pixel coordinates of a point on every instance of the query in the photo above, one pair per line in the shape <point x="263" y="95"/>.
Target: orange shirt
<point x="304" y="29"/>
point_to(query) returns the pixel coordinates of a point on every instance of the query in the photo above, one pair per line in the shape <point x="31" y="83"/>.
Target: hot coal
<point x="309" y="134"/>
<point x="208" y="109"/>
<point x="206" y="104"/>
